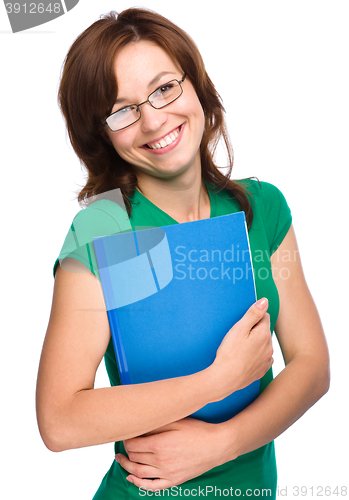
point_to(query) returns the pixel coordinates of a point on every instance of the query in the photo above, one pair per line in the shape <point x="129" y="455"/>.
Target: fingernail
<point x="117" y="458"/>
<point x="130" y="479"/>
<point x="262" y="304"/>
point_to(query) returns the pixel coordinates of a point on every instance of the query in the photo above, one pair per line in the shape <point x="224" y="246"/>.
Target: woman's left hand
<point x="175" y="453"/>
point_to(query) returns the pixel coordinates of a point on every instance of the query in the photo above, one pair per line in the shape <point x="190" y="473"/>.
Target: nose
<point x="152" y="119"/>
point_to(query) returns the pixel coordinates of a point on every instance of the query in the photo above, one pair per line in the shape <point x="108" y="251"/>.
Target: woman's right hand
<point x="246" y="351"/>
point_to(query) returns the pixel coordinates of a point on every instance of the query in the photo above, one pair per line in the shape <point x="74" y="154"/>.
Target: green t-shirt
<point x="249" y="474"/>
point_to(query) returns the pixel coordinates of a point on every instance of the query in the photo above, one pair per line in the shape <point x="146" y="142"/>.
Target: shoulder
<point x="101" y="218"/>
<point x="264" y="196"/>
<point x="261" y="190"/>
<point x="270" y="209"/>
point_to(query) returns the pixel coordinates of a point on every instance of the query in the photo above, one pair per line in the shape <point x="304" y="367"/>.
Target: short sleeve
<point x="276" y="214"/>
<point x="101" y="218"/>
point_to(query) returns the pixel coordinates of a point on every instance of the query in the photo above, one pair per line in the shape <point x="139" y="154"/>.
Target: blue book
<point x="172" y="293"/>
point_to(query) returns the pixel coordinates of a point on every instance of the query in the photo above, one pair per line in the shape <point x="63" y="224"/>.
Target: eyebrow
<point x="150" y="84"/>
<point x="160" y="75"/>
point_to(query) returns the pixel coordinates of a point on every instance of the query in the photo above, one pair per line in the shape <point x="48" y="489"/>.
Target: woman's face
<point x="142" y="67"/>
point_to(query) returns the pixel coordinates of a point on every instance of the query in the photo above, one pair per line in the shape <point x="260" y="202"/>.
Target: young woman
<point x="143" y="116"/>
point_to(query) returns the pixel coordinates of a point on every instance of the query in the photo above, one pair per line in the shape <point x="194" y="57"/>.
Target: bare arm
<point x="305" y="378"/>
<point x="188" y="448"/>
<point x="71" y="413"/>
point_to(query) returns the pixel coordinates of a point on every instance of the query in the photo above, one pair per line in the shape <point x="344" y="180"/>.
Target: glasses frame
<point x="144" y="102"/>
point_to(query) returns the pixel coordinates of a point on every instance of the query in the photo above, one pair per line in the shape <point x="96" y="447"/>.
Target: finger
<point x="150" y="484"/>
<point x="147" y="444"/>
<point x="143" y="458"/>
<point x="140" y="444"/>
<point x="164" y="428"/>
<point x="136" y="469"/>
<point x="264" y="322"/>
<point x="254" y="314"/>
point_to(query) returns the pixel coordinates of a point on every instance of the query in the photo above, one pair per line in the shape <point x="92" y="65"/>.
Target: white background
<point x="281" y="68"/>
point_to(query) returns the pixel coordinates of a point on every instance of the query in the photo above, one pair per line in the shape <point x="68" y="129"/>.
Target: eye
<point x="125" y="110"/>
<point x="164" y="89"/>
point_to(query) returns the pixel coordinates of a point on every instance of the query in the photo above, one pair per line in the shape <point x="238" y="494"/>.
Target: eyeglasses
<point x="161" y="97"/>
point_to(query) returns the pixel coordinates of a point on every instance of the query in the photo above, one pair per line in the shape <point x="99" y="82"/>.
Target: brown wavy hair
<point x="88" y="89"/>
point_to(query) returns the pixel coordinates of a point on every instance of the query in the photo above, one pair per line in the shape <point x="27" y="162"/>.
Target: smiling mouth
<point x="165" y="141"/>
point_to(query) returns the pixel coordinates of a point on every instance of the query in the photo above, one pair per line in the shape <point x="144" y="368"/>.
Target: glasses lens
<point x="165" y="94"/>
<point x="123" y="118"/>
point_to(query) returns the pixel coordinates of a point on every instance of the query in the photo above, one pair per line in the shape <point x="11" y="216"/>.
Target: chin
<point x="166" y="173"/>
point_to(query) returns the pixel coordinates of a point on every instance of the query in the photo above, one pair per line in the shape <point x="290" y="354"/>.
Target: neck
<point x="182" y="199"/>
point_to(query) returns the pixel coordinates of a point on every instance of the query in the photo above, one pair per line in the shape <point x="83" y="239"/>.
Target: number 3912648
<point x="32" y="8"/>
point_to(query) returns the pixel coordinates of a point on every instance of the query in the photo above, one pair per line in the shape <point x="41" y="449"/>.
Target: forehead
<point x="138" y="63"/>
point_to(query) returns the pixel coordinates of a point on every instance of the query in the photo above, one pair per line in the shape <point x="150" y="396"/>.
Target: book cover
<point x="172" y="293"/>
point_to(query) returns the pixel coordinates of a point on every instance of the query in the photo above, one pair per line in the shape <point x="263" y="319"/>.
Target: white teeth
<point x="166" y="141"/>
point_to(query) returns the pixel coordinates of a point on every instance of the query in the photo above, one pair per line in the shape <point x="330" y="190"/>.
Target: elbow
<point x="52" y="443"/>
<point x="323" y="381"/>
<point x="53" y="433"/>
<point x="53" y="440"/>
<point x="326" y="382"/>
<point x="326" y="375"/>
<point x="55" y="444"/>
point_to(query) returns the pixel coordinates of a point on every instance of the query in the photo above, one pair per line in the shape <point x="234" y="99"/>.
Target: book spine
<point x="119" y="347"/>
